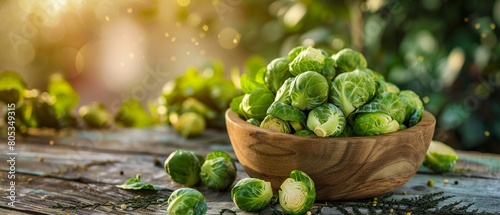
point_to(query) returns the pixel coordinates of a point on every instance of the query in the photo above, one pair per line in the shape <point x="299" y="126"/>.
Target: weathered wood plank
<point x="76" y="170"/>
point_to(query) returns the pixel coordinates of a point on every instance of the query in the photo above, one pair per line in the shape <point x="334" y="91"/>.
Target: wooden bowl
<point x="341" y="168"/>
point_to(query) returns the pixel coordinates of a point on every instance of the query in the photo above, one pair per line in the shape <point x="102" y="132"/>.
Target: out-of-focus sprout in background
<point x="446" y="51"/>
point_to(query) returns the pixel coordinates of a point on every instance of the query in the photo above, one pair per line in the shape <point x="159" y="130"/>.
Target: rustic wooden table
<point x="76" y="172"/>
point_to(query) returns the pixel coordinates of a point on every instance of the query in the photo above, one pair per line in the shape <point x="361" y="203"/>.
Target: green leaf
<point x="253" y="65"/>
<point x="137" y="184"/>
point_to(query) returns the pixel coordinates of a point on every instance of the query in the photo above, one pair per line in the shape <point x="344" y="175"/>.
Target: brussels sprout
<point x="328" y="70"/>
<point x="295" y="51"/>
<point x="95" y="115"/>
<point x="372" y="107"/>
<point x="12" y="87"/>
<point x="310" y="59"/>
<point x="326" y="120"/>
<point x="412" y="104"/>
<point x="190" y="124"/>
<point x="350" y="90"/>
<point x="375" y="75"/>
<point x="251" y="194"/>
<point x="249" y="84"/>
<point x="384" y="86"/>
<point x="186" y="201"/>
<point x="45" y="112"/>
<point x="297" y="193"/>
<point x="440" y="157"/>
<point x="66" y="98"/>
<point x="394" y="104"/>
<point x="277" y="72"/>
<point x="254" y="121"/>
<point x="402" y="127"/>
<point x="276" y="124"/>
<point x="132" y="114"/>
<point x="283" y="94"/>
<point x="309" y="90"/>
<point x="183" y="167"/>
<point x="286" y="112"/>
<point x="191" y="104"/>
<point x="305" y="132"/>
<point x="255" y="104"/>
<point x="218" y="171"/>
<point x="369" y="124"/>
<point x="347" y="60"/>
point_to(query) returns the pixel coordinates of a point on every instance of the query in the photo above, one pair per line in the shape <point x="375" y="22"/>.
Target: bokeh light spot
<point x="477" y="26"/>
<point x="166" y="34"/>
<point x="229" y="38"/>
<point x="492" y="26"/>
<point x="173" y="58"/>
<point x="183" y="3"/>
<point x="466" y="19"/>
<point x="129" y="10"/>
<point x="106" y="18"/>
<point x="79" y="62"/>
<point x="487" y="133"/>
<point x="426" y="99"/>
<point x="173" y="39"/>
<point x="24" y="54"/>
<point x="205" y="27"/>
<point x="337" y="44"/>
<point x="295" y="14"/>
<point x="131" y="55"/>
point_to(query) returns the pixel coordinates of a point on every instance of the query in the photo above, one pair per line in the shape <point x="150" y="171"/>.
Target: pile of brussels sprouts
<point x="311" y="93"/>
<point x="218" y="172"/>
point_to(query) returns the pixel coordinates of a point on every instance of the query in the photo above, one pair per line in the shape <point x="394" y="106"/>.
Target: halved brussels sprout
<point x="310" y="59"/>
<point x="190" y="124"/>
<point x="276" y="124"/>
<point x="277" y="72"/>
<point x="218" y="171"/>
<point x="297" y="193"/>
<point x="440" y="157"/>
<point x="394" y="104"/>
<point x="350" y="90"/>
<point x="347" y="60"/>
<point x="255" y="104"/>
<point x="183" y="167"/>
<point x="186" y="201"/>
<point x="326" y="120"/>
<point x="309" y="90"/>
<point x="95" y="115"/>
<point x="251" y="194"/>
